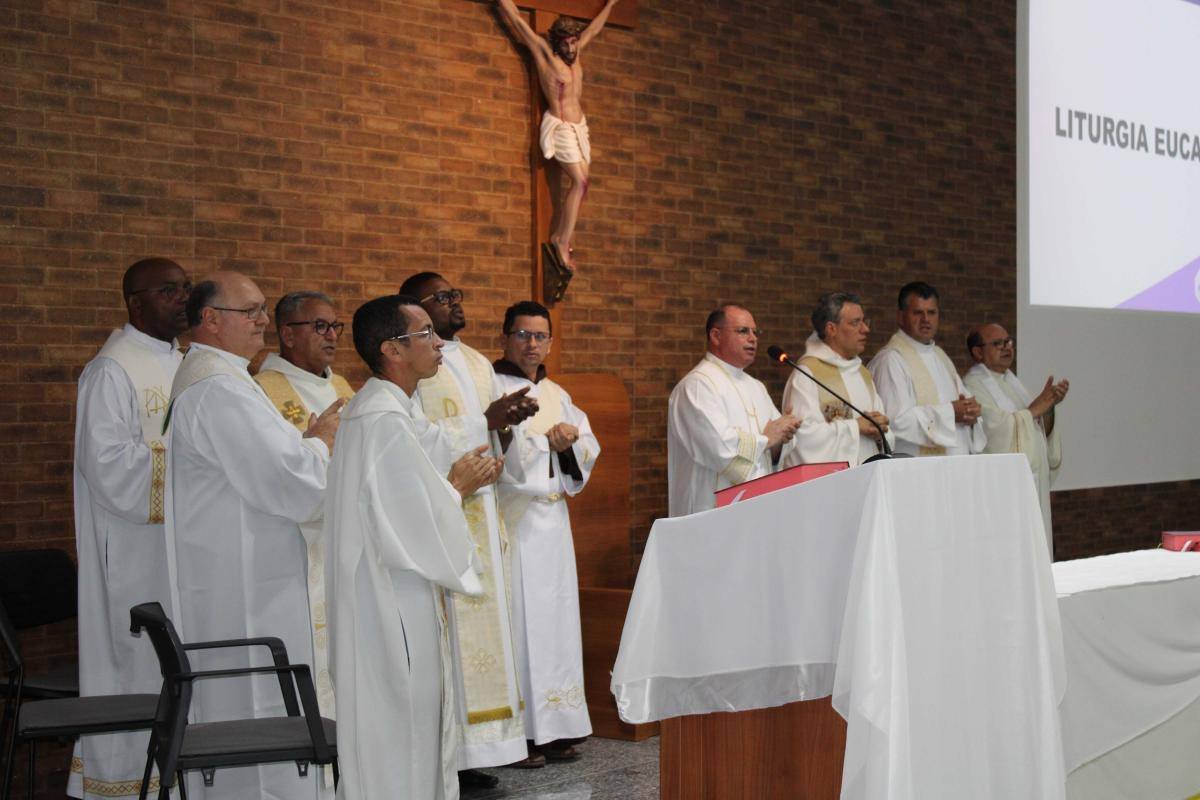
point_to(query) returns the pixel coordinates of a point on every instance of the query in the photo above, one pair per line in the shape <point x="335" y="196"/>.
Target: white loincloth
<point x="565" y="142"/>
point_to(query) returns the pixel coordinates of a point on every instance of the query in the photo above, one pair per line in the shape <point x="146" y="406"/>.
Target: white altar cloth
<point x="917" y="592"/>
<point x="1131" y="714"/>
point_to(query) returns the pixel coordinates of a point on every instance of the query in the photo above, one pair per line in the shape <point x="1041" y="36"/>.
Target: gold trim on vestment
<point x="489" y="679"/>
<point x="158" y="482"/>
<point x="924" y="385"/>
<point x="287" y="400"/>
<point x="831" y="375"/>
<point x="126" y="788"/>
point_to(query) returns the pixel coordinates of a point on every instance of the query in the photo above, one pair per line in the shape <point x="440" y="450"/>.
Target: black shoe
<point x="475" y="779"/>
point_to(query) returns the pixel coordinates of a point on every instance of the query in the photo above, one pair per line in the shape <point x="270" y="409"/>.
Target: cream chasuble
<point x="715" y="418"/>
<point x="829" y="431"/>
<point x="240" y="480"/>
<point x="298" y="394"/>
<point x="481" y="630"/>
<point x="918" y="383"/>
<point x="1012" y="429"/>
<point x="120" y="466"/>
<point x="545" y="585"/>
<point x="396" y="534"/>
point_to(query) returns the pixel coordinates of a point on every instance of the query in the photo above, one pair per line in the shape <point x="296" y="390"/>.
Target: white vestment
<point x="484" y="657"/>
<point x="312" y="395"/>
<point x="829" y="431"/>
<point x="1011" y="428"/>
<point x="545" y="585"/>
<point x="922" y="427"/>
<point x="120" y="463"/>
<point x="395" y="533"/>
<point x="240" y="480"/>
<point x="715" y="418"/>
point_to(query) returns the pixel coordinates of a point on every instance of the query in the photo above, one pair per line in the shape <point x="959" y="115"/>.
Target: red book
<point x="777" y="480"/>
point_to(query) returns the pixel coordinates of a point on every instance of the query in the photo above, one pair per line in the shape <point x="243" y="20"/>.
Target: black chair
<point x="177" y="746"/>
<point x="64" y="718"/>
<point x="37" y="587"/>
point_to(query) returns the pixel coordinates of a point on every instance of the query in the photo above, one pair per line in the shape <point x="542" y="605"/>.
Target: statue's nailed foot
<point x="556" y="274"/>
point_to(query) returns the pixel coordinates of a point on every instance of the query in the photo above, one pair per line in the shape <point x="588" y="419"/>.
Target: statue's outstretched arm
<point x="536" y="44"/>
<point x="596" y="24"/>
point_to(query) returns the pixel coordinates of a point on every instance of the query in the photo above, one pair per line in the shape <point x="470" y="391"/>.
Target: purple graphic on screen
<point x="1179" y="291"/>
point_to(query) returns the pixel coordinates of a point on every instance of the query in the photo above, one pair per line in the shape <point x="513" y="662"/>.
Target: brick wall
<point x="744" y="150"/>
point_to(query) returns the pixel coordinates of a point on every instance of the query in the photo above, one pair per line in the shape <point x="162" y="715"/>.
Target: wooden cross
<point x="542" y="14"/>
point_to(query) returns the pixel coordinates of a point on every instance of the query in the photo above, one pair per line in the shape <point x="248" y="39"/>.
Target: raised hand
<point x="510" y="409"/>
<point x="474" y="470"/>
<point x="966" y="410"/>
<point x="324" y="427"/>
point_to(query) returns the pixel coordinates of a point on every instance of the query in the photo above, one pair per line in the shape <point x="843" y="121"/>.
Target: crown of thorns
<point x="565" y="28"/>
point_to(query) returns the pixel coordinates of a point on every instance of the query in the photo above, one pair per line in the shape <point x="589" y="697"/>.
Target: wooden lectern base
<point x="794" y="751"/>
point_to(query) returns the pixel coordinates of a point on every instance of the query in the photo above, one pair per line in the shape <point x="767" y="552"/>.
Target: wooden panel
<point x="600" y="514"/>
<point x="623" y="15"/>
<point x="794" y="751"/>
<point x="602" y="614"/>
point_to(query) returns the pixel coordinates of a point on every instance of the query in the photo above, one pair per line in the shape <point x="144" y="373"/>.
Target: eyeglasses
<point x="446" y="298"/>
<point x="744" y="331"/>
<point x="541" y="337"/>
<point x="859" y="324"/>
<point x="321" y="327"/>
<point x="424" y="333"/>
<point x="1005" y="342"/>
<point x="168" y="289"/>
<point x="252" y="313"/>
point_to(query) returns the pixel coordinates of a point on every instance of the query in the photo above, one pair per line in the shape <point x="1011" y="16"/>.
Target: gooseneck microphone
<point x="776" y="353"/>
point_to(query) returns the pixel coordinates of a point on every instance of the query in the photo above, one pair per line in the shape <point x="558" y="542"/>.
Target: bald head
<point x="991" y="346"/>
<point x="155" y="292"/>
<point x="227" y="310"/>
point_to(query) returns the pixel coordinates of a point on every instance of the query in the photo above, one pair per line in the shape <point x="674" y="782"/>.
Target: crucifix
<point x="554" y="34"/>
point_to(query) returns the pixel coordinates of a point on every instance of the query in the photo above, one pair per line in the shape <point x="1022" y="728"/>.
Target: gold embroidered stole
<point x="514" y="504"/>
<point x="831" y="375"/>
<point x="287" y="400"/>
<point x="151" y="383"/>
<point x="479" y="626"/>
<point x="923" y="383"/>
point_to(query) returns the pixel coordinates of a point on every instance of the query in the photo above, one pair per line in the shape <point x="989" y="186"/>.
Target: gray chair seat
<point x="287" y="736"/>
<point x="74" y="716"/>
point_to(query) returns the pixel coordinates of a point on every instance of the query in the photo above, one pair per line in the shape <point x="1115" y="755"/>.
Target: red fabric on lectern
<point x="777" y="480"/>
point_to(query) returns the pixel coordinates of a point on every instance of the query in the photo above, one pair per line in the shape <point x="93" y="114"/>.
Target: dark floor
<point x="606" y="770"/>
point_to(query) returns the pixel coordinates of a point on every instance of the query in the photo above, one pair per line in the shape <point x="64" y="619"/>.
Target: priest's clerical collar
<point x="150" y="341"/>
<point x="730" y="368"/>
<point x="505" y="367"/>
<point x="932" y="344"/>
<point x="232" y="358"/>
<point x="277" y="362"/>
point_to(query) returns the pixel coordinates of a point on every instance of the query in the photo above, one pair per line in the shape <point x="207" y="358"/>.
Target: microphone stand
<point x="782" y="358"/>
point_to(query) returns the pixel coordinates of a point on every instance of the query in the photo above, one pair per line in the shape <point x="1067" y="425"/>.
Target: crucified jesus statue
<point x="564" y="132"/>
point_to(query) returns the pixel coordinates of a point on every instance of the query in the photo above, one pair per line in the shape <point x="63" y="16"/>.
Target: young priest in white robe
<point x="120" y="461"/>
<point x="240" y="480"/>
<point x="397" y="537"/>
<point x="557" y="450"/>
<point x="467" y="411"/>
<point x="1015" y="420"/>
<point x="301" y="383"/>
<point x="831" y="430"/>
<point x="722" y="427"/>
<point x="927" y="405"/>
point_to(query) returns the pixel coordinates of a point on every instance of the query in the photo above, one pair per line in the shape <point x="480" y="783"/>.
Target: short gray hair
<point x="290" y="302"/>
<point x="829" y="309"/>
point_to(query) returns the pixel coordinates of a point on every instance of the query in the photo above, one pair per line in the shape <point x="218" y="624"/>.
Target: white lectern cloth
<point x="918" y="592"/>
<point x="1130" y="715"/>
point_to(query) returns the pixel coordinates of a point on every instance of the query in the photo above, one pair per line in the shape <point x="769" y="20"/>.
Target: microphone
<point x="776" y="353"/>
